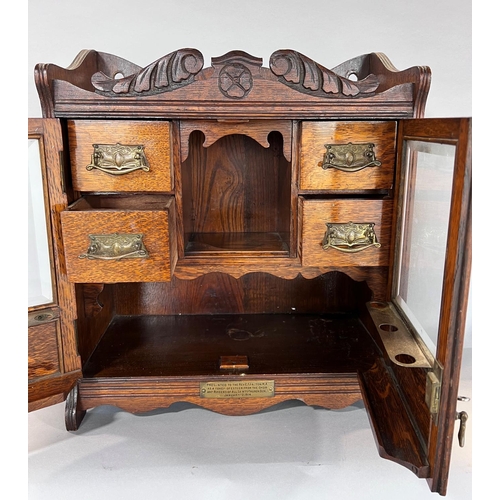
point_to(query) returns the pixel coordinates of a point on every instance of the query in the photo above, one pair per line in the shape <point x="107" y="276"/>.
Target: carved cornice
<point x="304" y="75"/>
<point x="236" y="86"/>
<point x="168" y="73"/>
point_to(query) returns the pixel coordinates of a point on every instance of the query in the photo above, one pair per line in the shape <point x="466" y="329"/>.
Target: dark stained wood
<point x="215" y="244"/>
<point x="258" y="130"/>
<point x="73" y="413"/>
<point x="73" y="93"/>
<point x="188" y="345"/>
<point x="96" y="308"/>
<point x="392" y="426"/>
<point x="236" y="186"/>
<point x="253" y="293"/>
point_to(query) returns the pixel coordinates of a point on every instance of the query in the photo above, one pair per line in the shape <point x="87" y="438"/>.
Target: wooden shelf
<point x="191" y="345"/>
<point x="213" y="244"/>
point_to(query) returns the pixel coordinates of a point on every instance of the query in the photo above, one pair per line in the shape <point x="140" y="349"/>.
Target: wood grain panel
<point x="148" y="393"/>
<point x="258" y="130"/>
<point x="254" y="293"/>
<point x="236" y="186"/>
<point x="316" y="134"/>
<point x="43" y="350"/>
<point x="315" y="215"/>
<point x="153" y="220"/>
<point x="49" y="133"/>
<point x="392" y="427"/>
<point x="154" y="136"/>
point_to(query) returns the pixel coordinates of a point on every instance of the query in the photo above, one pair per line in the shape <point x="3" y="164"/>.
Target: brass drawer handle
<point x="350" y="237"/>
<point x="349" y="157"/>
<point x="115" y="247"/>
<point x="118" y="159"/>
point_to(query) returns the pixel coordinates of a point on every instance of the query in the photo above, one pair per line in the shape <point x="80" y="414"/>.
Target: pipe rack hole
<point x="388" y="327"/>
<point x="406" y="359"/>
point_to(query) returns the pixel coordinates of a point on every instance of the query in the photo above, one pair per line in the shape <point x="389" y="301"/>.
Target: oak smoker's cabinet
<point x="236" y="236"/>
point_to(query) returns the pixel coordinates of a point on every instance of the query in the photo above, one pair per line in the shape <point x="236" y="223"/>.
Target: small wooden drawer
<point x="43" y="352"/>
<point x="347" y="155"/>
<point x="345" y="232"/>
<point x="115" y="156"/>
<point x="119" y="239"/>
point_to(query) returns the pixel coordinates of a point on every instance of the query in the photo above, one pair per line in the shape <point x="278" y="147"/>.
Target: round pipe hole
<point x="406" y="359"/>
<point x="378" y="305"/>
<point x="388" y="327"/>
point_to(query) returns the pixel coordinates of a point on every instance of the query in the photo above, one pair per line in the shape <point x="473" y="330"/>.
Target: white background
<point x="435" y="33"/>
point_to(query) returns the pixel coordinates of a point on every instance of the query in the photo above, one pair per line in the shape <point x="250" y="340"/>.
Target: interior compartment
<point x="236" y="197"/>
<point x="281" y="326"/>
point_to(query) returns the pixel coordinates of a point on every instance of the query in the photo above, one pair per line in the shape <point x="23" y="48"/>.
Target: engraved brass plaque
<point x="233" y="389"/>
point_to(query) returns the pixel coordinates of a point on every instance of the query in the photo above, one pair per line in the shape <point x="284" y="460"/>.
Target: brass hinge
<point x="433" y="390"/>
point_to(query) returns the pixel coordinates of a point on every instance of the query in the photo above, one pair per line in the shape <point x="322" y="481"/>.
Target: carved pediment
<point x="235" y="86"/>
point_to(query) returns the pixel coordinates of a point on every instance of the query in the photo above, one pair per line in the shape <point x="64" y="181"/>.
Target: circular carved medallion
<point x="235" y="81"/>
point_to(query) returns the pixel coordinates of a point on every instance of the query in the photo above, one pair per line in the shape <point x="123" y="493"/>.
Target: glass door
<point x="53" y="360"/>
<point x="41" y="290"/>
<point x="432" y="268"/>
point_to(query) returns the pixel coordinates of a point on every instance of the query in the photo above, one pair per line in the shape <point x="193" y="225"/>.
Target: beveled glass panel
<point x="427" y="181"/>
<point x="40" y="285"/>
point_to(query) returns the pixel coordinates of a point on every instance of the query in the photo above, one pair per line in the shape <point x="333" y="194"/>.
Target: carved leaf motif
<point x="168" y="73"/>
<point x="331" y="83"/>
<point x="311" y="75"/>
<point x="303" y="74"/>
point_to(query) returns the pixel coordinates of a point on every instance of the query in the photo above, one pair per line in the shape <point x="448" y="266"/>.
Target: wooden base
<point x="329" y="360"/>
<point x="145" y="394"/>
<point x="148" y="362"/>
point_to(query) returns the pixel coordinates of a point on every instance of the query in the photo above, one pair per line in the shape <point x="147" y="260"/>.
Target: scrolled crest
<point x="303" y="74"/>
<point x="168" y="73"/>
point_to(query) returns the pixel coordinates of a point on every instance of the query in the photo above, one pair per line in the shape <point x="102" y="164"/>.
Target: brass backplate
<point x="233" y="389"/>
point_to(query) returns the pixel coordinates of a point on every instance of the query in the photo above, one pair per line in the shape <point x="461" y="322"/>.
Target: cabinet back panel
<point x="236" y="186"/>
<point x="255" y="293"/>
